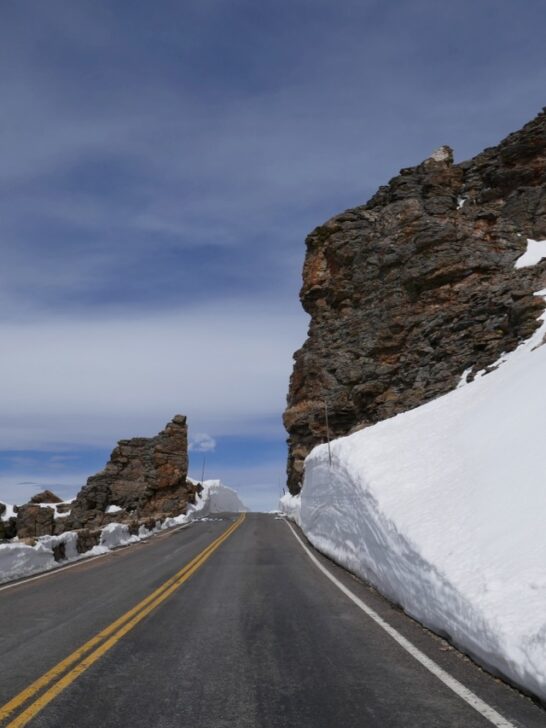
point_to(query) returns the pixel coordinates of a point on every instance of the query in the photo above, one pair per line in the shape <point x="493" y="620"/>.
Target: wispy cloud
<point x="201" y="442"/>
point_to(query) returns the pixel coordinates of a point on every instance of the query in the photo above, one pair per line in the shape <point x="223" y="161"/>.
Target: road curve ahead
<point x="229" y="623"/>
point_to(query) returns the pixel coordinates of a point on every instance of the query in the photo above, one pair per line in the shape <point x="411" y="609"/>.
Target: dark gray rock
<point x="408" y="291"/>
<point x="8" y="529"/>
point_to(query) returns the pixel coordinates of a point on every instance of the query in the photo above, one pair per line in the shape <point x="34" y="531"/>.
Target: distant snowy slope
<point x="219" y="498"/>
<point x="443" y="508"/>
<point x="215" y="498"/>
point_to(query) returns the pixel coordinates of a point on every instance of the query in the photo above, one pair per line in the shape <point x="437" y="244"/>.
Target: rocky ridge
<point x="144" y="481"/>
<point x="416" y="288"/>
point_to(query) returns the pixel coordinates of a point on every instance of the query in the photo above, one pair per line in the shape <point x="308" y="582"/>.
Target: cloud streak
<point x="94" y="381"/>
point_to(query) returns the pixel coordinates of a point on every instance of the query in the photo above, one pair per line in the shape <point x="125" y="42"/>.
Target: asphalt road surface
<point x="228" y="623"/>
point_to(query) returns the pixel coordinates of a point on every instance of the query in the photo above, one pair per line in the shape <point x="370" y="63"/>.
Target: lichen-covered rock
<point x="417" y="286"/>
<point x="145" y="477"/>
<point x="34" y="520"/>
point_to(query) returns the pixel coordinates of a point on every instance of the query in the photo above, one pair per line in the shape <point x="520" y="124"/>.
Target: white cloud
<point x="201" y="442"/>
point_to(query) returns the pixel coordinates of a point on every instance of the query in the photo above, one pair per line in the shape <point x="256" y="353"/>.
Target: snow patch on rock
<point x="61" y="509"/>
<point x="9" y="512"/>
<point x="536" y="251"/>
<point x="113" y="509"/>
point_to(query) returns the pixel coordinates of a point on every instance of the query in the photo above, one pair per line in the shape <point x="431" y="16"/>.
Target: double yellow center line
<point x="69" y="669"/>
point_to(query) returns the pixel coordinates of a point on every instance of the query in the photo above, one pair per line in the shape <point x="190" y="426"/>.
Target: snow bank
<point x="116" y="534"/>
<point x="290" y="505"/>
<point x="443" y="509"/>
<point x="217" y="498"/>
<point x="214" y="498"/>
<point x="18" y="559"/>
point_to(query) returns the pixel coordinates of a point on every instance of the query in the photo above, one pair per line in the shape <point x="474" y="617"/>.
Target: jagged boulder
<point x="417" y="286"/>
<point x="34" y="520"/>
<point x="145" y="477"/>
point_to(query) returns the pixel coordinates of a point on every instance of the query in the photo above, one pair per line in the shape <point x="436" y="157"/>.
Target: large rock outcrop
<point x="416" y="287"/>
<point x="145" y="477"/>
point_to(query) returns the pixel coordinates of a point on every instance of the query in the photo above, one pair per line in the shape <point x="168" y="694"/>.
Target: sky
<point x="162" y="164"/>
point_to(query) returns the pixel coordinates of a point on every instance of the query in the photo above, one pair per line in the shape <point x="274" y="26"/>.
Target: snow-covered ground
<point x="443" y="509"/>
<point x="19" y="559"/>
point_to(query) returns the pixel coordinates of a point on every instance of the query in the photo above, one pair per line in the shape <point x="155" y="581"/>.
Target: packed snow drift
<point x="218" y="498"/>
<point x="443" y="509"/>
<point x="18" y="559"/>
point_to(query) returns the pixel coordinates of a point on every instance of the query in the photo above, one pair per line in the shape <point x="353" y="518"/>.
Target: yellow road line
<point x="56" y="671"/>
<point x="109" y="637"/>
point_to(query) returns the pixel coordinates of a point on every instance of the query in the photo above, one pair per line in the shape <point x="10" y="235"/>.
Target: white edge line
<point x="464" y="693"/>
<point x="88" y="559"/>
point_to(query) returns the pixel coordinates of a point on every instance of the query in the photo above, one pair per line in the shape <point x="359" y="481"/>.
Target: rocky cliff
<point x="416" y="287"/>
<point x="145" y="477"/>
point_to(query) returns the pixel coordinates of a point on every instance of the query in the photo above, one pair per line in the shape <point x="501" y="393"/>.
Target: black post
<point x="327" y="433"/>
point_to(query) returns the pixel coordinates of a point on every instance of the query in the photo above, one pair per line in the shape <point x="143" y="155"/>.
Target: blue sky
<point x="161" y="165"/>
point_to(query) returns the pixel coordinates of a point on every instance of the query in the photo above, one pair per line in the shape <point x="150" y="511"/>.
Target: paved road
<point x="252" y="634"/>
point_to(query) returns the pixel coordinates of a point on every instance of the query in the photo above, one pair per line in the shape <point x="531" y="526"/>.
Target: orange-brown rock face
<point x="417" y="286"/>
<point x="144" y="477"/>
